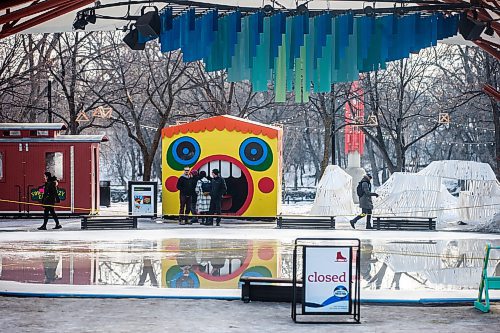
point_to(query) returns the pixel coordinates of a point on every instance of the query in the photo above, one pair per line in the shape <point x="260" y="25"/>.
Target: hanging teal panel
<point x="261" y="72"/>
<point x="281" y="71"/>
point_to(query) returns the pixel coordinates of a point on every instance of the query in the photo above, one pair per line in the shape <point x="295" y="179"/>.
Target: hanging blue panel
<point x="278" y="28"/>
<point x="434" y="38"/>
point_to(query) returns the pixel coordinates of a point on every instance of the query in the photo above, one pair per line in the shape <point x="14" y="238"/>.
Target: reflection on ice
<point x="219" y="263"/>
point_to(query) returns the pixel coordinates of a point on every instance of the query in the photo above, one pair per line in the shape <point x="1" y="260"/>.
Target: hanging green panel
<point x="305" y="86"/>
<point x="352" y="72"/>
<point x="261" y="72"/>
<point x="374" y="52"/>
<point x="305" y="54"/>
<point x="239" y="69"/>
<point x="334" y="47"/>
<point x="298" y="80"/>
<point x="281" y="70"/>
<point x="325" y="67"/>
<point x="289" y="64"/>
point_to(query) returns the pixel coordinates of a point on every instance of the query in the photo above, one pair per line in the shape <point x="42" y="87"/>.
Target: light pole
<point x="49" y="100"/>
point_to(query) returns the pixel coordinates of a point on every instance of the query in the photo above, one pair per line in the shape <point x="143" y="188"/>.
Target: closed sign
<point x="327" y="276"/>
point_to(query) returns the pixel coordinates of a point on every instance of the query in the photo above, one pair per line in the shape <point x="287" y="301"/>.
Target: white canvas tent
<point x="479" y="198"/>
<point x="410" y="194"/>
<point x="333" y="194"/>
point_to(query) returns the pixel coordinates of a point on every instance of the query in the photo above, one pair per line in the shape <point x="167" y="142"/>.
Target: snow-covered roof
<point x="60" y="138"/>
<point x="31" y="126"/>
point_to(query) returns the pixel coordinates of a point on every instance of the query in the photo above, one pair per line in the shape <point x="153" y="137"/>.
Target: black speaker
<point x="132" y="40"/>
<point x="469" y="28"/>
<point x="149" y="24"/>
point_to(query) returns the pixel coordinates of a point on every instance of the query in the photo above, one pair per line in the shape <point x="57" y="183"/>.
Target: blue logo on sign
<point x="340" y="292"/>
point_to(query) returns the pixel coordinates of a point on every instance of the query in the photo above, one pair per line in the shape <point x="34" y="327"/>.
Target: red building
<point x="27" y="150"/>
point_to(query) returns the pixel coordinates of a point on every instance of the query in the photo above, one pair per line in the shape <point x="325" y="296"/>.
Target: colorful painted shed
<point x="247" y="153"/>
<point x="27" y="150"/>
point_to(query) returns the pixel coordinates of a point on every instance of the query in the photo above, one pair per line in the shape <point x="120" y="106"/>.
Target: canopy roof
<point x="50" y="16"/>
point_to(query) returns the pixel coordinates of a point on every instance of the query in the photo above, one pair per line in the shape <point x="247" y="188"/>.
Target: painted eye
<point x="256" y="154"/>
<point x="183" y="152"/>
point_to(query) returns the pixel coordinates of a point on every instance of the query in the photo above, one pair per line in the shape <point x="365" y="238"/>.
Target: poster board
<point x="327" y="272"/>
<point x="142" y="198"/>
<point x="326" y="280"/>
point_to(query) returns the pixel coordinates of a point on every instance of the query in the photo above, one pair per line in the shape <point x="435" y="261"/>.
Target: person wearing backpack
<point x="218" y="189"/>
<point x="364" y="192"/>
<point x="203" y="187"/>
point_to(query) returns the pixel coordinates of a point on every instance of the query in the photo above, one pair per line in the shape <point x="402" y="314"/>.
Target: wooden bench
<point x="404" y="223"/>
<point x="111" y="222"/>
<point x="316" y="222"/>
<point x="265" y="289"/>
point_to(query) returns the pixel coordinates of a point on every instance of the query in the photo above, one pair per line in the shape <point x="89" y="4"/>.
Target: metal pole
<point x="49" y="102"/>
<point x="332" y="96"/>
<point x="332" y="137"/>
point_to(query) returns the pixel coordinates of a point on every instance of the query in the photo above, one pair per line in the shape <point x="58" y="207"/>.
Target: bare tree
<point x="142" y="88"/>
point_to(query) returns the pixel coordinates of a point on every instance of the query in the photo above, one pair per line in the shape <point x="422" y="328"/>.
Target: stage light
<point x="268" y="9"/>
<point x="132" y="40"/>
<point x="489" y="30"/>
<point x="90" y="17"/>
<point x="80" y="23"/>
<point x="302" y="9"/>
<point x="369" y="11"/>
<point x="149" y="24"/>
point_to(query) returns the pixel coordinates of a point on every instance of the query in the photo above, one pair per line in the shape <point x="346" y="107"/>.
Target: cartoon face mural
<point x="210" y="264"/>
<point x="248" y="155"/>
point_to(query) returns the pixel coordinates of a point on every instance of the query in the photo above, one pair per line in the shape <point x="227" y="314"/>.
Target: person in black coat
<point x="49" y="199"/>
<point x="218" y="189"/>
<point x="184" y="187"/>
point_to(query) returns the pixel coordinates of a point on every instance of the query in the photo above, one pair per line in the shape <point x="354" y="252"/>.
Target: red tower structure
<point x="354" y="117"/>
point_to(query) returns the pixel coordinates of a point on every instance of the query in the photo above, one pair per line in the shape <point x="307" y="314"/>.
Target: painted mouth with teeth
<point x="238" y="180"/>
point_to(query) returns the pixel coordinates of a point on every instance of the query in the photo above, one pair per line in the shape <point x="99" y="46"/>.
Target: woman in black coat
<point x="49" y="199"/>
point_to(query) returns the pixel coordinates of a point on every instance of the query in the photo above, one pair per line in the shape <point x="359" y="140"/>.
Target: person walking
<point x="203" y="187"/>
<point x="218" y="189"/>
<point x="184" y="187"/>
<point x="364" y="191"/>
<point x="49" y="199"/>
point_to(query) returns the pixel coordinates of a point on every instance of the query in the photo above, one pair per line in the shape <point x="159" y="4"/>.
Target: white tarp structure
<point x="479" y="198"/>
<point x="334" y="194"/>
<point x="410" y="194"/>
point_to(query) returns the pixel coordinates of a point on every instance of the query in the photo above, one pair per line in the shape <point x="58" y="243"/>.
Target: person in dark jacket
<point x="49" y="199"/>
<point x="365" y="202"/>
<point x="194" y="196"/>
<point x="184" y="187"/>
<point x="218" y="189"/>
